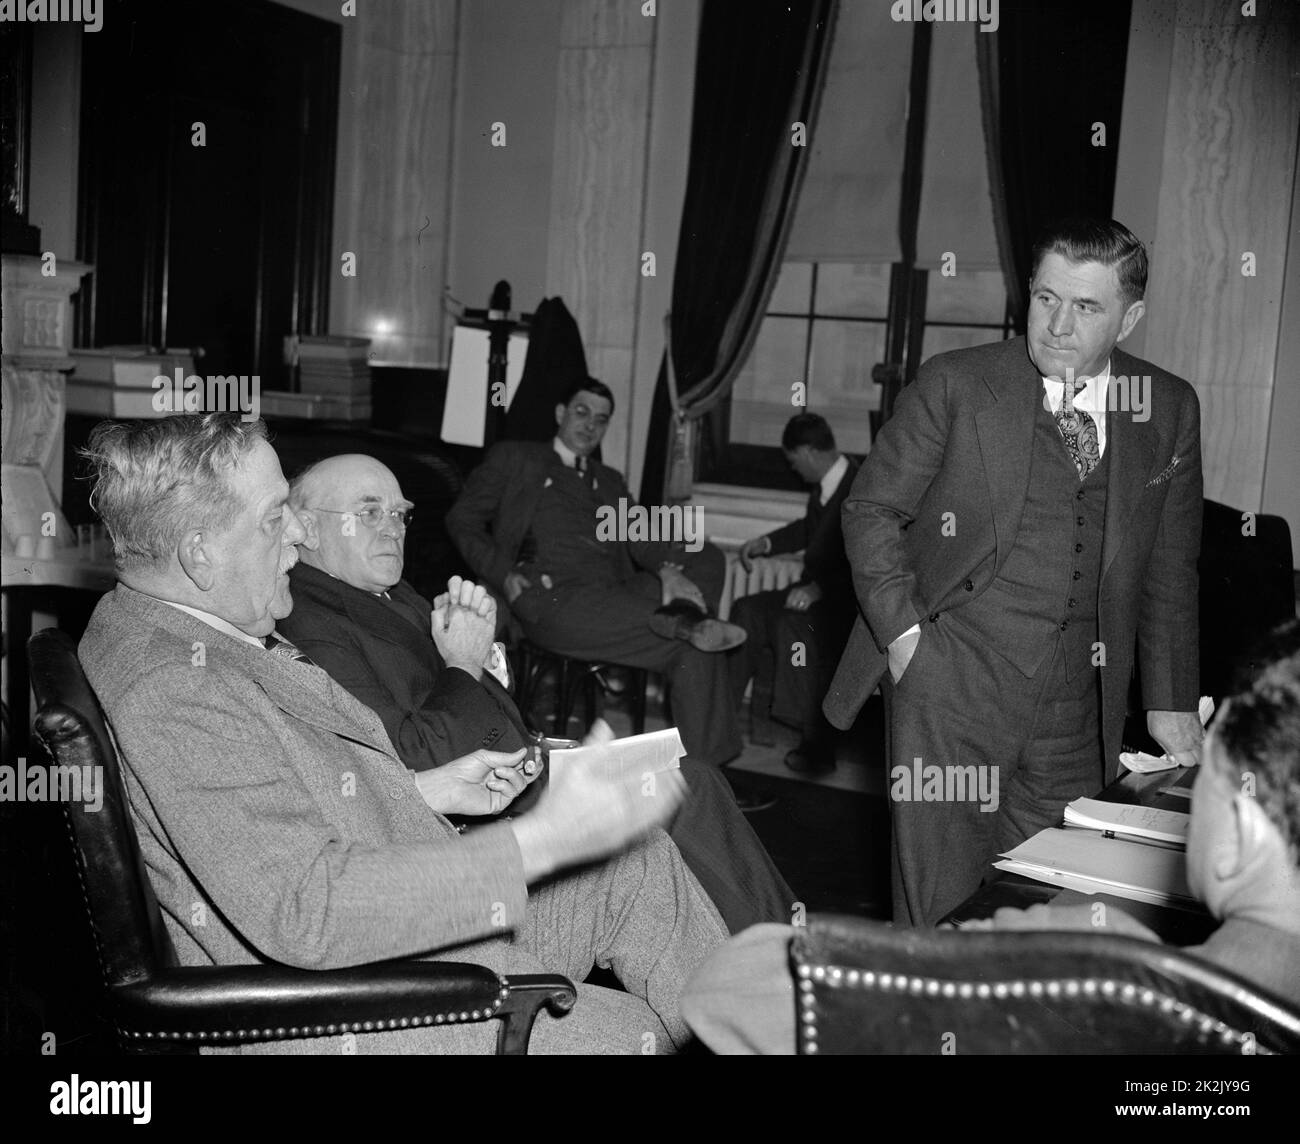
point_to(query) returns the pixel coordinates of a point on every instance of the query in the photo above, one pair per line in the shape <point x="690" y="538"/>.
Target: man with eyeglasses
<point x="432" y="679"/>
<point x="437" y="686"/>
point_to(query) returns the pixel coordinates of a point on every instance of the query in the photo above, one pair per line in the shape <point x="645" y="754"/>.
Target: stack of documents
<point x="1125" y="820"/>
<point x="1101" y="863"/>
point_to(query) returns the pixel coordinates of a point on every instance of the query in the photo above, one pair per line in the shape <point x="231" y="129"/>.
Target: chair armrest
<point x="228" y="1005"/>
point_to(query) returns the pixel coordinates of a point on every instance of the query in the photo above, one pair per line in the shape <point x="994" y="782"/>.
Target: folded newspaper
<point x="637" y="755"/>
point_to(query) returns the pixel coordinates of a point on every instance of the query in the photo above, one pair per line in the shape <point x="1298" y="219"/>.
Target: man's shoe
<point x="805" y="760"/>
<point x="686" y="622"/>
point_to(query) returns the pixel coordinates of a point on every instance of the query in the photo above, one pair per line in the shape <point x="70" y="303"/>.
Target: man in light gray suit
<point x="276" y="819"/>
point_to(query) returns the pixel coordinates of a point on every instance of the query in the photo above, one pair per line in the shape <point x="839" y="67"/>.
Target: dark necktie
<point x="585" y="471"/>
<point x="283" y="647"/>
<point x="1079" y="432"/>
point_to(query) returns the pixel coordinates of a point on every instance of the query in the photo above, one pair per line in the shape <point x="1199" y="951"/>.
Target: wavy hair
<point x="153" y="480"/>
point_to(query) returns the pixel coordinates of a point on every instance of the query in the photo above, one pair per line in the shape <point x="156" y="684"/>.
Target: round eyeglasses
<point x="372" y="516"/>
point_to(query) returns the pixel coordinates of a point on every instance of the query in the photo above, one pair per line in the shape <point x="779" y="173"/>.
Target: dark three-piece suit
<point x="1034" y="591"/>
<point x="383" y="652"/>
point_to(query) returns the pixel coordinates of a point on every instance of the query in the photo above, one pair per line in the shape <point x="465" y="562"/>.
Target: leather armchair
<point x="864" y="987"/>
<point x="158" y="1006"/>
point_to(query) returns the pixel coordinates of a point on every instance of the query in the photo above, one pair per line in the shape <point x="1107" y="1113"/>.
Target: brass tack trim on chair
<point x="1126" y="993"/>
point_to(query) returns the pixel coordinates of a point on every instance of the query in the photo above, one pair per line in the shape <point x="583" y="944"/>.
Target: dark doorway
<point x="207" y="179"/>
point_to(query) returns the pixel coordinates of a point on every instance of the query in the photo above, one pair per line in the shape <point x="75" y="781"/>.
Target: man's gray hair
<point x="154" y="480"/>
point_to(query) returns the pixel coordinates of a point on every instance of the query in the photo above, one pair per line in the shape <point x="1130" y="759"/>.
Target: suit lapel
<point x="1131" y="445"/>
<point x="309" y="694"/>
<point x="1005" y="430"/>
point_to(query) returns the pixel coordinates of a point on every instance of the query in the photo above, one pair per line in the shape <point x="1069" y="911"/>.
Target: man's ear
<point x="1252" y="835"/>
<point x="192" y="553"/>
<point x="559" y="415"/>
<point x="1132" y="316"/>
<point x="311" y="526"/>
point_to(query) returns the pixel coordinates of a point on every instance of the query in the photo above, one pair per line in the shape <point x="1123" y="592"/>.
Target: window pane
<point x="940" y="339"/>
<point x="969" y="296"/>
<point x="856" y="289"/>
<point x="840" y="388"/>
<point x="793" y="291"/>
<point x="760" y="401"/>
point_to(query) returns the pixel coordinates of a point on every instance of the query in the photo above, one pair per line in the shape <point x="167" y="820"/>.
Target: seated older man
<point x="426" y="673"/>
<point x="278" y="822"/>
<point x="1243" y="863"/>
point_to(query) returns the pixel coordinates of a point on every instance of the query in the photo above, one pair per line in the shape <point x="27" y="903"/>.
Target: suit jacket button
<point x="1064" y="624"/>
<point x="395" y="792"/>
<point x="934" y="617"/>
<point x="969" y="585"/>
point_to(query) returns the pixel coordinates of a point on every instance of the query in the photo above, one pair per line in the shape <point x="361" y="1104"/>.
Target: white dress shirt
<point x="831" y="480"/>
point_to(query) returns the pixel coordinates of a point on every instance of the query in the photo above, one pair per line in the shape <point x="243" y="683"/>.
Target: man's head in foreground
<point x="199" y="514"/>
<point x="583" y="416"/>
<point x="1243" y="847"/>
<point x="1085" y="295"/>
<point x="355" y="518"/>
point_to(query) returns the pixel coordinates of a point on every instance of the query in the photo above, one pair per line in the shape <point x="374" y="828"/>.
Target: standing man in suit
<point x="1026" y="522"/>
<point x="435" y="690"/>
<point x="278" y="823"/>
<point x="529" y="523"/>
<point x="803" y="627"/>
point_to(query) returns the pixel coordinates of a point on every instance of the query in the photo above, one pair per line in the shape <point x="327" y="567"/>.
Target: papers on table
<point x="1094" y="863"/>
<point x="637" y="755"/>
<point x="1143" y="764"/>
<point x="1125" y="819"/>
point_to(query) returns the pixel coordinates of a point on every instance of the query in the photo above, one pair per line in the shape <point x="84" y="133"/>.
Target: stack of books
<point x="118" y="381"/>
<point x="334" y="366"/>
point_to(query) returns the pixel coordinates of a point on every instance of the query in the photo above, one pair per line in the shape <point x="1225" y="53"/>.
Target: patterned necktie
<point x="282" y="647"/>
<point x="1079" y="431"/>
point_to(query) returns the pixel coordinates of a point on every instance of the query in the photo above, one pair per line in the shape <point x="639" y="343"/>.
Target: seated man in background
<point x="529" y="523"/>
<point x="804" y="627"/>
<point x="278" y="823"/>
<point x="357" y="618"/>
<point x="1243" y="863"/>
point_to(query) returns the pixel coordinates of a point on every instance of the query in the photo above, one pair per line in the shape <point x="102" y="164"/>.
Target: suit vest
<point x="1047" y="587"/>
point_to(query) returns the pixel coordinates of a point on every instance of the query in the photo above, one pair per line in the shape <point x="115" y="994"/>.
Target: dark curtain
<point x="759" y="70"/>
<point x="1046" y="76"/>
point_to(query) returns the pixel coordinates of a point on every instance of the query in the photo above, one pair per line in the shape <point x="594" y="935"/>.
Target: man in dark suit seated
<point x="541" y="524"/>
<point x="802" y="628"/>
<point x="279" y="824"/>
<point x="1243" y="863"/>
<point x="433" y="684"/>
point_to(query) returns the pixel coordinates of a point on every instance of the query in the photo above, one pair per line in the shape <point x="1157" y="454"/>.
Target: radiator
<point x="766" y="573"/>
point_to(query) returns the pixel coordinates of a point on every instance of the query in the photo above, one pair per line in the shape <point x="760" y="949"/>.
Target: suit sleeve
<point x="249" y="831"/>
<point x="449" y="720"/>
<point x="902" y="464"/>
<point x="789" y="537"/>
<point x="472" y="520"/>
<point x="1168" y="616"/>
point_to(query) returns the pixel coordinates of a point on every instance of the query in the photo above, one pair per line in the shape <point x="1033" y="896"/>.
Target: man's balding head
<point x="331" y="498"/>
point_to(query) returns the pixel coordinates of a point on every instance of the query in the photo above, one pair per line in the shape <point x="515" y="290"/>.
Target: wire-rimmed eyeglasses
<point x="373" y="515"/>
